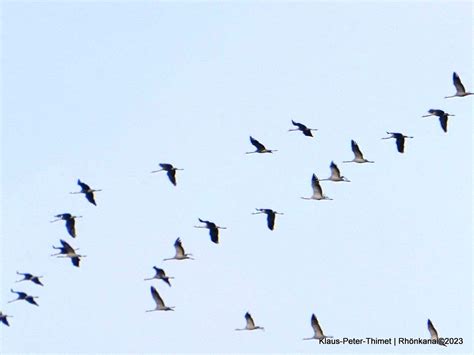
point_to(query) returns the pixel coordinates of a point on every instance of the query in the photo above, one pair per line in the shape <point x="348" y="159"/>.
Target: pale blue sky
<point x="106" y="91"/>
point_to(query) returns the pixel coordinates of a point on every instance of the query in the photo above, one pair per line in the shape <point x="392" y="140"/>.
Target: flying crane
<point x="260" y="147"/>
<point x="24" y="296"/>
<point x="180" y="254"/>
<point x="318" y="332"/>
<point x="358" y="156"/>
<point x="160" y="305"/>
<point x="87" y="191"/>
<point x="213" y="229"/>
<point x="399" y="140"/>
<point x="443" y="117"/>
<point x="67" y="251"/>
<point x="460" y="90"/>
<point x="160" y="275"/>
<point x="30" y="277"/>
<point x="301" y="127"/>
<point x="270" y="216"/>
<point x="335" y="174"/>
<point x="170" y="171"/>
<point x="250" y="324"/>
<point x="70" y="222"/>
<point x="317" y="190"/>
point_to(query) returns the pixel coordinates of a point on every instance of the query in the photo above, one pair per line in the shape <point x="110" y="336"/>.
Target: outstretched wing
<point x="317" y="328"/>
<point x="179" y="248"/>
<point x="257" y="144"/>
<point x="84" y="186"/>
<point x="457" y="84"/>
<point x="67" y="248"/>
<point x="300" y="126"/>
<point x="71" y="227"/>
<point x="249" y="320"/>
<point x="317" y="191"/>
<point x="166" y="166"/>
<point x="400" y="143"/>
<point x="90" y="197"/>
<point x="436" y="112"/>
<point x="432" y="330"/>
<point x="75" y="261"/>
<point x="335" y="173"/>
<point x="270" y="219"/>
<point x="4" y="320"/>
<point x="214" y="233"/>
<point x="159" y="272"/>
<point x="172" y="176"/>
<point x="355" y="149"/>
<point x="443" y="121"/>
<point x="156" y="297"/>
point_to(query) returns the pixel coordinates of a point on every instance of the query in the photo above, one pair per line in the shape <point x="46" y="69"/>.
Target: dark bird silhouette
<point x="335" y="174"/>
<point x="317" y="190"/>
<point x="301" y="127"/>
<point x="318" y="332"/>
<point x="3" y="318"/>
<point x="460" y="90"/>
<point x="260" y="147"/>
<point x="30" y="277"/>
<point x="70" y="222"/>
<point x="67" y="251"/>
<point x="180" y="254"/>
<point x="170" y="171"/>
<point x="24" y="296"/>
<point x="434" y="334"/>
<point x="270" y="216"/>
<point x="160" y="275"/>
<point x="443" y="117"/>
<point x="249" y="323"/>
<point x="358" y="156"/>
<point x="160" y="305"/>
<point x="213" y="230"/>
<point x="87" y="191"/>
<point x="399" y="139"/>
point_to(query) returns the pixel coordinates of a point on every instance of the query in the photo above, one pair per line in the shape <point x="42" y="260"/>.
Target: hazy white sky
<point x="106" y="91"/>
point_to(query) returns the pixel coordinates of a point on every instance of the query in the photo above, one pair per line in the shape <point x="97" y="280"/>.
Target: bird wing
<point x="214" y="233"/>
<point x="159" y="272"/>
<point x="335" y="173"/>
<point x="166" y="166"/>
<point x="443" y="120"/>
<point x="90" y="197"/>
<point x="4" y="320"/>
<point x="257" y="144"/>
<point x="71" y="227"/>
<point x="172" y="176"/>
<point x="458" y="85"/>
<point x="356" y="150"/>
<point x="270" y="219"/>
<point x="84" y="186"/>
<point x="156" y="297"/>
<point x="436" y="112"/>
<point x="249" y="320"/>
<point x="400" y="140"/>
<point x="317" y="191"/>
<point x="36" y="280"/>
<point x="179" y="247"/>
<point x="432" y="330"/>
<point x="300" y="126"/>
<point x="67" y="248"/>
<point x="317" y="328"/>
<point x="75" y="261"/>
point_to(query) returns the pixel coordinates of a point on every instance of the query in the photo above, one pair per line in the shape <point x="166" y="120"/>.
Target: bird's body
<point x="213" y="230"/>
<point x="249" y="323"/>
<point x="358" y="156"/>
<point x="30" y="277"/>
<point x="317" y="190"/>
<point x="301" y="127"/>
<point x="24" y="296"/>
<point x="160" y="275"/>
<point x="399" y="140"/>
<point x="70" y="222"/>
<point x="260" y="147"/>
<point x="160" y="305"/>
<point x="434" y="334"/>
<point x="66" y="251"/>
<point x="87" y="191"/>
<point x="335" y="174"/>
<point x="270" y="216"/>
<point x="3" y="318"/>
<point x="460" y="90"/>
<point x="443" y="117"/>
<point x="170" y="171"/>
<point x="180" y="254"/>
<point x="318" y="332"/>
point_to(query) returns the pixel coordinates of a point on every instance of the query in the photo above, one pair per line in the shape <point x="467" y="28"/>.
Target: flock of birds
<point x="67" y="251"/>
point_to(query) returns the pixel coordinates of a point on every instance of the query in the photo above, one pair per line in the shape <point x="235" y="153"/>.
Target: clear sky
<point x="106" y="91"/>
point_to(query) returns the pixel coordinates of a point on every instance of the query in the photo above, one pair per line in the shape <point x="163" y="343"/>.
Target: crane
<point x="434" y="334"/>
<point x="213" y="229"/>
<point x="30" y="277"/>
<point x="160" y="305"/>
<point x="70" y="222"/>
<point x="460" y="90"/>
<point x="24" y="296"/>
<point x="250" y="324"/>
<point x="3" y="318"/>
<point x="335" y="174"/>
<point x="318" y="332"/>
<point x="399" y="140"/>
<point x="67" y="251"/>
<point x="85" y="189"/>
<point x="358" y="156"/>
<point x="301" y="127"/>
<point x="170" y="171"/>
<point x="443" y="117"/>
<point x="260" y="147"/>
<point x="270" y="216"/>
<point x="317" y="191"/>
<point x="160" y="275"/>
<point x="180" y="254"/>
